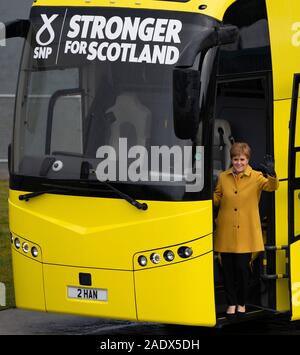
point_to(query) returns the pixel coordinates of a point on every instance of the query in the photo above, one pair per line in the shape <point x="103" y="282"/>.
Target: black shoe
<point x="230" y="316"/>
<point x="240" y="314"/>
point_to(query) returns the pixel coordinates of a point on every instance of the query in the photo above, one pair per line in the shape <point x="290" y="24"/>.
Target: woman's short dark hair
<point x="240" y="148"/>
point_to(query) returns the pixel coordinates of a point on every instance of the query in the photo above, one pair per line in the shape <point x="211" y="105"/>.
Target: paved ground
<point x="22" y="322"/>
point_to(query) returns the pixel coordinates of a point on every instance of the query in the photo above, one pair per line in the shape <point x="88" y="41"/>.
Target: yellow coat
<point x="238" y="223"/>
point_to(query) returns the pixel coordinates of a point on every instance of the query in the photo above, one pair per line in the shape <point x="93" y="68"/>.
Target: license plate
<point x="92" y="294"/>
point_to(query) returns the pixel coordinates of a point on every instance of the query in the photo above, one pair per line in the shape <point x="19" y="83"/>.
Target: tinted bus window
<point x="251" y="52"/>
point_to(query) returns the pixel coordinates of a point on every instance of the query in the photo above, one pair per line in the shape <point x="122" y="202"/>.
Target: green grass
<point x="5" y="247"/>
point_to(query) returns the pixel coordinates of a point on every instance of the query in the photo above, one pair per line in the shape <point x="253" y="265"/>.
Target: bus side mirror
<point x="186" y="95"/>
<point x="17" y="28"/>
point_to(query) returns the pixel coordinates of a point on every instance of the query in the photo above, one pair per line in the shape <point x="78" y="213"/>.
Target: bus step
<point x="274" y="276"/>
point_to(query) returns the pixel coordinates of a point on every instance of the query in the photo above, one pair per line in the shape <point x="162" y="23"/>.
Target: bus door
<point x="294" y="200"/>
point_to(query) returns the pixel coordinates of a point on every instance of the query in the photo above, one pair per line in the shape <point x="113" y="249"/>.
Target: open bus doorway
<point x="244" y="104"/>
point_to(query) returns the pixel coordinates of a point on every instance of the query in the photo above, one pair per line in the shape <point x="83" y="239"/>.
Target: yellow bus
<point x="101" y="228"/>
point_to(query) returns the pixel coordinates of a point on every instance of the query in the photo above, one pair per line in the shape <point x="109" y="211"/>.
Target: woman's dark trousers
<point x="236" y="274"/>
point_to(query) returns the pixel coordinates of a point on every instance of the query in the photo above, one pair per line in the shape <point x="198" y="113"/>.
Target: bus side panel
<point x="119" y="285"/>
<point x="284" y="28"/>
<point x="281" y="213"/>
<point x="281" y="135"/>
<point x="182" y="293"/>
<point x="295" y="279"/>
<point x="282" y="110"/>
<point x="28" y="282"/>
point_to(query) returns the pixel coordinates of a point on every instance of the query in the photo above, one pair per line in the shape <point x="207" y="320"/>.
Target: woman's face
<point x="239" y="163"/>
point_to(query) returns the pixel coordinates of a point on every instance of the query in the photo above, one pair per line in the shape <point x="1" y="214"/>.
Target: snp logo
<point x="44" y="37"/>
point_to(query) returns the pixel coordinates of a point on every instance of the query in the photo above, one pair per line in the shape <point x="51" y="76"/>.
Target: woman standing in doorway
<point x="238" y="232"/>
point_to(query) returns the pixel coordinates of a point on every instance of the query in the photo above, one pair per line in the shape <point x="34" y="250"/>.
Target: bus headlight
<point x="17" y="243"/>
<point x="142" y="260"/>
<point x="155" y="258"/>
<point x="34" y="252"/>
<point x="169" y="255"/>
<point x="185" y="252"/>
<point x="25" y="247"/>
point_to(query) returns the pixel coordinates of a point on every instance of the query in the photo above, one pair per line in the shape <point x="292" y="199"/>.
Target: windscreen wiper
<point x="27" y="197"/>
<point x="84" y="175"/>
<point x="59" y="188"/>
<point x="140" y="206"/>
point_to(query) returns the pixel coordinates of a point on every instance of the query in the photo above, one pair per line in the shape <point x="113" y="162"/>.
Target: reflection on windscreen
<point x="122" y="107"/>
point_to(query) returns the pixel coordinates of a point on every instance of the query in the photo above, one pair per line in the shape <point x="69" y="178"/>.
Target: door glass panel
<point x="297" y="167"/>
<point x="297" y="136"/>
<point x="294" y="202"/>
<point x="295" y="277"/>
<point x="297" y="213"/>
